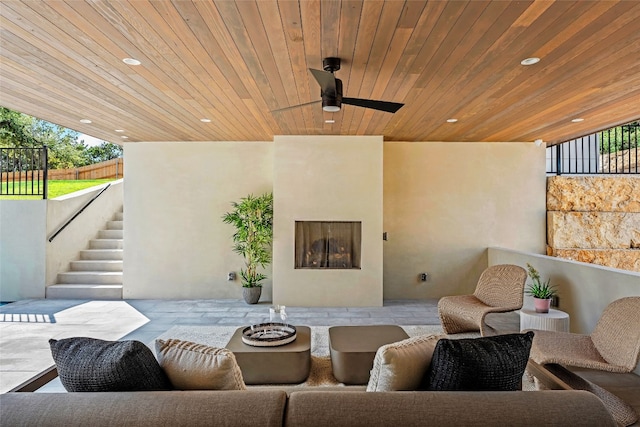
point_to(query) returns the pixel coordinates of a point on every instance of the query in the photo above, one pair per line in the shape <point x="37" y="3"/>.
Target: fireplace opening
<point x="328" y="244"/>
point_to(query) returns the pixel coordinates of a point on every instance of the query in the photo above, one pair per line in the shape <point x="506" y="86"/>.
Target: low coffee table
<point x="286" y="364"/>
<point x="353" y="348"/>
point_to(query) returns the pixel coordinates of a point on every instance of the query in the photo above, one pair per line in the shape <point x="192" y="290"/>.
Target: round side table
<point x="554" y="320"/>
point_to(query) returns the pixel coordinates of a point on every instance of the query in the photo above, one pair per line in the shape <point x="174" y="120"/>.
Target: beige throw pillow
<point x="192" y="366"/>
<point x="401" y="365"/>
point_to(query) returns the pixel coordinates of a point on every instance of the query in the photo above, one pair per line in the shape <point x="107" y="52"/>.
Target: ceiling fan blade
<point x="326" y="80"/>
<point x="389" y="107"/>
<point x="295" y="106"/>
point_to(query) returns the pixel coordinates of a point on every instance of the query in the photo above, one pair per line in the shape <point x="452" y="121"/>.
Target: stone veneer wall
<point x="595" y="219"/>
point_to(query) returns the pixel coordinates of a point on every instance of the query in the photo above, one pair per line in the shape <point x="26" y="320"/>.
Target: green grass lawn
<point x="56" y="188"/>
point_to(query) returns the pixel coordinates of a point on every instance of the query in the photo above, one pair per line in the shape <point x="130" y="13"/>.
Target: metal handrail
<point x="78" y="213"/>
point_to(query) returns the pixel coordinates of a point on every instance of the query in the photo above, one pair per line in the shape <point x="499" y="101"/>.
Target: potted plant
<point x="542" y="292"/>
<point x="252" y="218"/>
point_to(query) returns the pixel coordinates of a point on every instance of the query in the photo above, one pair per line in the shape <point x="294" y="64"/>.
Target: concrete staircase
<point x="97" y="274"/>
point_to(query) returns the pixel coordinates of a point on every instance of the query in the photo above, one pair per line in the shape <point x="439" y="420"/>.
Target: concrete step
<point x="115" y="225"/>
<point x="84" y="291"/>
<point x="110" y="234"/>
<point x="119" y="216"/>
<point x="96" y="265"/>
<point x="105" y="244"/>
<point x="101" y="254"/>
<point x="96" y="277"/>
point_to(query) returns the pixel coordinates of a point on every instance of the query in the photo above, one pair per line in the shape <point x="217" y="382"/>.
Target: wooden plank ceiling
<point x="235" y="62"/>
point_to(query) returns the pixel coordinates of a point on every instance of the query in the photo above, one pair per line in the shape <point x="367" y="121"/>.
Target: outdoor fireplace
<point x="328" y="244"/>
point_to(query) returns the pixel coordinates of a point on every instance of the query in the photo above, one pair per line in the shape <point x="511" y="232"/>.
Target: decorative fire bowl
<point x="269" y="334"/>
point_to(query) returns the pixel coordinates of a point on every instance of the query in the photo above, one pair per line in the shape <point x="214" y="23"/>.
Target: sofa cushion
<point x="173" y="408"/>
<point x="559" y="408"/>
<point x="488" y="363"/>
<point x="192" y="366"/>
<point x="401" y="365"/>
<point x="89" y="364"/>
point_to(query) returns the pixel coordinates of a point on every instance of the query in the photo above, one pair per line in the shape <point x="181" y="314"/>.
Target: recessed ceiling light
<point x="452" y="120"/>
<point x="330" y="121"/>
<point x="530" y="61"/>
<point x="119" y="130"/>
<point x="205" y="120"/>
<point x="578" y="120"/>
<point x="86" y="121"/>
<point x="131" y="61"/>
<point x="124" y="137"/>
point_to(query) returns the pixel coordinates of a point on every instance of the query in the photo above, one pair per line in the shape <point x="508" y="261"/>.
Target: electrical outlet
<point x="231" y="276"/>
<point x="424" y="277"/>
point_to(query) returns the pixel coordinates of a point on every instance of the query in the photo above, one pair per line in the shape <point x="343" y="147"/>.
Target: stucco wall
<point x="328" y="178"/>
<point x="444" y="203"/>
<point x="175" y="195"/>
<point x="22" y="249"/>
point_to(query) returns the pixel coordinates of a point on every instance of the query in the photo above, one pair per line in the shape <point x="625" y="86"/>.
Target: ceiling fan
<point x="331" y="91"/>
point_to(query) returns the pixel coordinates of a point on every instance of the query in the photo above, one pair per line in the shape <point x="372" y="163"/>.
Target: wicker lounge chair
<point x="500" y="289"/>
<point x="614" y="344"/>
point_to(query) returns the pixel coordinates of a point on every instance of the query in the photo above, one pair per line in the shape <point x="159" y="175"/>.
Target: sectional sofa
<point x="333" y="407"/>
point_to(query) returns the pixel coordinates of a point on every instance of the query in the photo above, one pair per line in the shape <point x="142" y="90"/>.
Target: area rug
<point x="320" y="374"/>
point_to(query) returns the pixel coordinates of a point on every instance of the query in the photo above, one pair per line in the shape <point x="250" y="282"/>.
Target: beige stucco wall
<point x="444" y="203"/>
<point x="327" y="178"/>
<point x="175" y="195"/>
<point x="22" y="249"/>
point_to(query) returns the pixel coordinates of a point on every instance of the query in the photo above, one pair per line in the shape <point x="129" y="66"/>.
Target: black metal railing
<point x="23" y="171"/>
<point x="612" y="151"/>
<point x="78" y="212"/>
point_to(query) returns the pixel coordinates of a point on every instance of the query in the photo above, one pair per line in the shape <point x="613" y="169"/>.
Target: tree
<point x="620" y="138"/>
<point x="15" y="129"/>
<point x="65" y="151"/>
<point x="103" y="152"/>
<point x="19" y="130"/>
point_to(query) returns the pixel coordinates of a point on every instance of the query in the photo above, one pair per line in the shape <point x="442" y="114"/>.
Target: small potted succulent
<point x="542" y="292"/>
<point x="252" y="218"/>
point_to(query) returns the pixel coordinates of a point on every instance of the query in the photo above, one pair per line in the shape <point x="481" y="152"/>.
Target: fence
<point x="612" y="151"/>
<point x="24" y="171"/>
<point x="111" y="169"/>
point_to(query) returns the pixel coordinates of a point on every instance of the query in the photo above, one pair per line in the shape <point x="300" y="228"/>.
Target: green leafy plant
<point x="539" y="289"/>
<point x="252" y="217"/>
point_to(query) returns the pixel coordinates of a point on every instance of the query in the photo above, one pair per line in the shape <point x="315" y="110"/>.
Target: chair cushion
<point x="401" y="365"/>
<point x="192" y="366"/>
<point x="89" y="364"/>
<point x="479" y="364"/>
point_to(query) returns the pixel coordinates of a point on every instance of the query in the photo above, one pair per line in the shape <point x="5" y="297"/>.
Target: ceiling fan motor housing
<point x="331" y="102"/>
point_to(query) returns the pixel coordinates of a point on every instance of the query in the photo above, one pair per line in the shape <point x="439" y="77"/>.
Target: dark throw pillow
<point x="89" y="364"/>
<point x="494" y="363"/>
